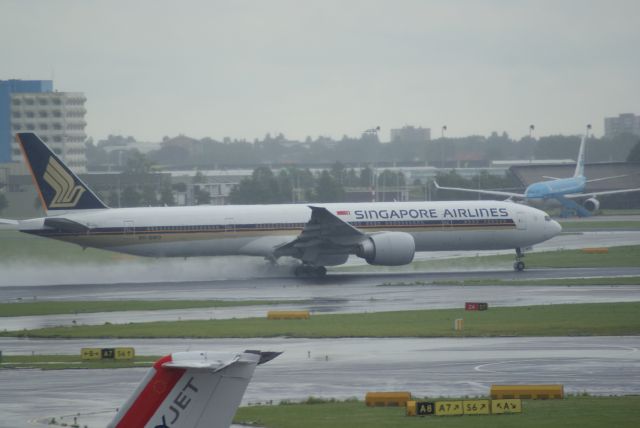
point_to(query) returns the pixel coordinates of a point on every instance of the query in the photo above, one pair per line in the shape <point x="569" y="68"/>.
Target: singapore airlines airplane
<point x="563" y="190"/>
<point x="318" y="235"/>
<point x="191" y="390"/>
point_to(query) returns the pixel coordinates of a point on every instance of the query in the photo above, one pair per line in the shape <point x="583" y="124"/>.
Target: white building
<point x="410" y="134"/>
<point x="57" y="118"/>
<point x="626" y="123"/>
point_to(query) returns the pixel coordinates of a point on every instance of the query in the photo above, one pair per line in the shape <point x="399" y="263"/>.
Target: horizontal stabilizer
<point x="210" y="365"/>
<point x="265" y="357"/>
<point x="607" y="178"/>
<point x="65" y="225"/>
<point x="6" y="223"/>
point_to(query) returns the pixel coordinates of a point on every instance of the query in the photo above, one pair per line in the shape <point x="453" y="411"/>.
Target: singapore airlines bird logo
<point x="67" y="194"/>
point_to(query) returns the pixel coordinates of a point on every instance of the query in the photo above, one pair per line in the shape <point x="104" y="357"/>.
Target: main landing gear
<point x="310" y="271"/>
<point x="518" y="265"/>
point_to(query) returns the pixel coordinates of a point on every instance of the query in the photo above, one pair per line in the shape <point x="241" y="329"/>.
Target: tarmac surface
<point x="336" y="294"/>
<point x="338" y="368"/>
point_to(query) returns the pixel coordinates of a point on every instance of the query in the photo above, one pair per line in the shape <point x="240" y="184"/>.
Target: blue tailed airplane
<point x="563" y="190"/>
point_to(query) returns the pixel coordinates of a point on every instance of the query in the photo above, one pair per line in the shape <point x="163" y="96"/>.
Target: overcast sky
<point x="151" y="68"/>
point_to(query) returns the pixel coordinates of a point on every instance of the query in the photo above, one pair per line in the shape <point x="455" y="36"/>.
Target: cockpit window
<point x="547" y="218"/>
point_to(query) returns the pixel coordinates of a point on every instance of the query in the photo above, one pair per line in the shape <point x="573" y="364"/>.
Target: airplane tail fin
<point x="191" y="389"/>
<point x="58" y="187"/>
<point x="580" y="162"/>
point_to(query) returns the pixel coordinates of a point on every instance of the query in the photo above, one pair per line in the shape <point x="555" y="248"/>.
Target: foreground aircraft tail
<point x="191" y="390"/>
<point x="58" y="187"/>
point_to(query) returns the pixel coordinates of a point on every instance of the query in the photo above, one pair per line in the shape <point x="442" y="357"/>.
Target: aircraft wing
<point x="65" y="225"/>
<point x="486" y="192"/>
<point x="325" y="233"/>
<point x="605" y="192"/>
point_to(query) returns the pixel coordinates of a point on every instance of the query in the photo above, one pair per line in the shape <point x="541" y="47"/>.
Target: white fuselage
<point x="257" y="230"/>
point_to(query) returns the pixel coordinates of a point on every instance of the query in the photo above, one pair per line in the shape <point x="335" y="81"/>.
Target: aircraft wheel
<point x="320" y="271"/>
<point x="518" y="266"/>
<point x="299" y="271"/>
<point x="307" y="271"/>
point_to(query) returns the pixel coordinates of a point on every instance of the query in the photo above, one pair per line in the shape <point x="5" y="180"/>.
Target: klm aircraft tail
<point x="58" y="187"/>
<point x="580" y="163"/>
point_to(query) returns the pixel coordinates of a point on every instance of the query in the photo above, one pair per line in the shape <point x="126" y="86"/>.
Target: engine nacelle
<point x="388" y="249"/>
<point x="592" y="204"/>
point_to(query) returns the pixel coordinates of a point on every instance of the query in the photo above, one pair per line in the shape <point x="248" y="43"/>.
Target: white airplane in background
<point x="318" y="235"/>
<point x="191" y="390"/>
<point x="563" y="190"/>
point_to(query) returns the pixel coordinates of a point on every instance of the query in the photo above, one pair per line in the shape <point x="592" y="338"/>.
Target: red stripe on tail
<point x="152" y="395"/>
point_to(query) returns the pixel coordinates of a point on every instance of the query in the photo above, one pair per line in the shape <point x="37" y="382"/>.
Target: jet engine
<point x="592" y="204"/>
<point x="387" y="249"/>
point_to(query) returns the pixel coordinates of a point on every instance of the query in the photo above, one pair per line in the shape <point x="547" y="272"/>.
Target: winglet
<point x="58" y="187"/>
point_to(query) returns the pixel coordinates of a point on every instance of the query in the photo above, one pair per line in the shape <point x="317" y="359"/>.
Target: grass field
<point x="60" y="362"/>
<point x="578" y="412"/>
<point x="615" y="257"/>
<point x="17" y="246"/>
<point x="602" y="319"/>
<point x="624" y="280"/>
<point x="569" y="226"/>
<point x="624" y="256"/>
<point x="80" y="307"/>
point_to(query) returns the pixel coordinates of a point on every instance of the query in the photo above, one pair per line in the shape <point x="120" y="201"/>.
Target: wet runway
<point x="336" y="294"/>
<point x="339" y="368"/>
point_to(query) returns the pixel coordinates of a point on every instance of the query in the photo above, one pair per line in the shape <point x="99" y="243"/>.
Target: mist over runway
<point x="146" y="270"/>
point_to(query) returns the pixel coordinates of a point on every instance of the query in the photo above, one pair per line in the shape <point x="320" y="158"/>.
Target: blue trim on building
<point x="7" y="87"/>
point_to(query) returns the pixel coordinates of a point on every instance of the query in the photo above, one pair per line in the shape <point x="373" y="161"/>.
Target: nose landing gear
<point x="519" y="265"/>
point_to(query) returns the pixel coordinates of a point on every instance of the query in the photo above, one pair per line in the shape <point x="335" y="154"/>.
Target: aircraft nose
<point x="556" y="227"/>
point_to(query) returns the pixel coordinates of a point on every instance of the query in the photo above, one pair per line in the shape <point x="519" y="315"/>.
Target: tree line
<point x="478" y="151"/>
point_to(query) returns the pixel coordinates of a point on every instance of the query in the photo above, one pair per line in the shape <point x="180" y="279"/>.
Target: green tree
<point x="328" y="189"/>
<point x="634" y="154"/>
<point x="4" y="203"/>
<point x="366" y="177"/>
<point x="148" y="196"/>
<point x="262" y="188"/>
<point x="285" y="187"/>
<point x="114" y="199"/>
<point x="166" y="195"/>
<point x="338" y="172"/>
<point x="130" y="197"/>
<point x="201" y="196"/>
<point x="137" y="163"/>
